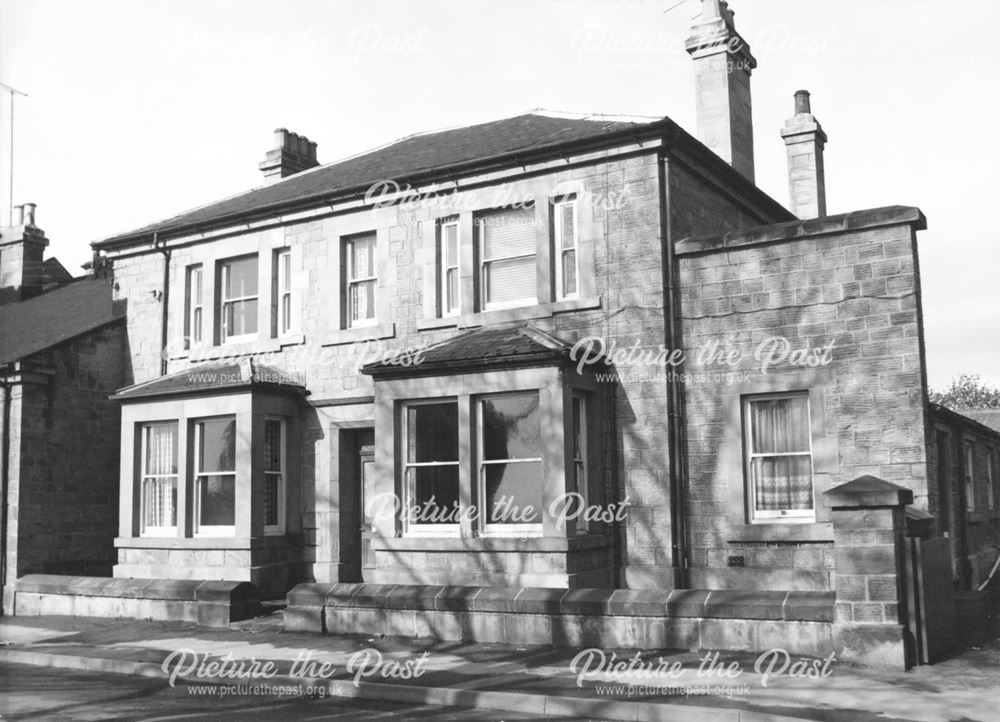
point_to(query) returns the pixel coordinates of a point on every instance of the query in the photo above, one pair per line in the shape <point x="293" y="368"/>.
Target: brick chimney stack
<point x="292" y="153"/>
<point x="723" y="64"/>
<point x="804" y="139"/>
<point x="22" y="248"/>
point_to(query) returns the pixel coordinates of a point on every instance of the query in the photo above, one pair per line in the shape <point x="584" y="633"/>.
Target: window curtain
<point x="784" y="480"/>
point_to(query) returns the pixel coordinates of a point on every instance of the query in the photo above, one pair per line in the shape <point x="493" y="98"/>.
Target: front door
<point x="357" y="464"/>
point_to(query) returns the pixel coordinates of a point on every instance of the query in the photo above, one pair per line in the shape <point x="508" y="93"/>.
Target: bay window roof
<point x="484" y="348"/>
<point x="216" y="377"/>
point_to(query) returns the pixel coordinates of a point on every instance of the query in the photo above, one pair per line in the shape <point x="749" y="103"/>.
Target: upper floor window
<point x="238" y="298"/>
<point x="281" y="293"/>
<point x="448" y="290"/>
<point x="507" y="258"/>
<point x="359" y="280"/>
<point x="510" y="468"/>
<point x="970" y="484"/>
<point x="193" y="309"/>
<point x="159" y="479"/>
<point x="779" y="458"/>
<point x="566" y="251"/>
<point x="215" y="475"/>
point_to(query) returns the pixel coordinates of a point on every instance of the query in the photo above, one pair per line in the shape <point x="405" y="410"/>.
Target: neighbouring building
<point x="415" y="368"/>
<point x="63" y="353"/>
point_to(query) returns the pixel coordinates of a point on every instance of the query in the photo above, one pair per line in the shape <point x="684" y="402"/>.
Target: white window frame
<point x="772" y="516"/>
<point x="156" y="531"/>
<point x="969" y="478"/>
<point x="409" y="528"/>
<point x="351" y="280"/>
<point x="284" y="323"/>
<point x="484" y="262"/>
<point x="559" y="251"/>
<point x="224" y="266"/>
<point x="281" y="474"/>
<point x="504" y="530"/>
<point x="449" y="265"/>
<point x="211" y="529"/>
<point x="195" y="287"/>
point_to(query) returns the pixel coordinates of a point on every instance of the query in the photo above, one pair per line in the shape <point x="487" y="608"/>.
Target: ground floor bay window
<point x="205" y="489"/>
<point x="490" y="467"/>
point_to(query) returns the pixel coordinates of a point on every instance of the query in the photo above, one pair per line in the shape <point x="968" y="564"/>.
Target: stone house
<point x="451" y="368"/>
<point x="63" y="353"/>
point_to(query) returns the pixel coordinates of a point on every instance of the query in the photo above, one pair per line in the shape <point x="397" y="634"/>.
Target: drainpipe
<point x="165" y="300"/>
<point x="675" y="429"/>
<point x="5" y="483"/>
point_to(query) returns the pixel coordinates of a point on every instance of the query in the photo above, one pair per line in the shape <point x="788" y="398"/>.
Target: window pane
<point x="160" y="500"/>
<point x="217" y="445"/>
<point x="196" y="286"/>
<point x="362" y="257"/>
<point x="161" y="449"/>
<point x="510" y="233"/>
<point x="286" y="270"/>
<point x="272" y="483"/>
<point x="437" y="488"/>
<point x="286" y="312"/>
<point x="510" y="280"/>
<point x="511" y="427"/>
<point x="569" y="273"/>
<point x="780" y="425"/>
<point x="432" y="432"/>
<point x="217" y="500"/>
<point x="577" y="428"/>
<point x="363" y="301"/>
<point x="451" y="245"/>
<point x="272" y="445"/>
<point x="241" y="318"/>
<point x="240" y="277"/>
<point x="568" y="239"/>
<point x="196" y="322"/>
<point x="514" y="493"/>
<point x="782" y="482"/>
<point x="451" y="289"/>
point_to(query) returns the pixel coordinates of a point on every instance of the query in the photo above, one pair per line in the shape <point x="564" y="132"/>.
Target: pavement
<point x="257" y="659"/>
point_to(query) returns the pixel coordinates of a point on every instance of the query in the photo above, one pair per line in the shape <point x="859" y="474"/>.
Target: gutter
<point x="677" y="457"/>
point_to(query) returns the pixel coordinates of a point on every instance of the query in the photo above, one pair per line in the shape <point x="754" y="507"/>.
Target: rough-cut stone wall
<point x="812" y="286"/>
<point x="65" y="497"/>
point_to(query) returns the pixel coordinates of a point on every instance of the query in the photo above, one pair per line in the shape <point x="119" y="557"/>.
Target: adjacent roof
<point x="440" y="155"/>
<point x="986" y="417"/>
<point x="59" y="315"/>
<point x="214" y="378"/>
<point x="510" y="347"/>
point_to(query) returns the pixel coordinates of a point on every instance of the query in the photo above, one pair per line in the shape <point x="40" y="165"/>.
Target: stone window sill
<point x="219" y="542"/>
<point x="356" y="335"/>
<point x="820" y="532"/>
<point x="210" y="353"/>
<point x="524" y="313"/>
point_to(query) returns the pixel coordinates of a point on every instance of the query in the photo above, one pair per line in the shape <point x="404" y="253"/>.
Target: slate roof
<point x="65" y="312"/>
<point x="214" y="377"/>
<point x="986" y="417"/>
<point x="510" y="347"/>
<point x="415" y="158"/>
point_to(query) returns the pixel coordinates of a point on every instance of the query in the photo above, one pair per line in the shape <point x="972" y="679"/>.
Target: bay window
<point x="215" y="475"/>
<point x="431" y="466"/>
<point x="779" y="458"/>
<point x="238" y="299"/>
<point x="507" y="258"/>
<point x="159" y="479"/>
<point x="510" y="467"/>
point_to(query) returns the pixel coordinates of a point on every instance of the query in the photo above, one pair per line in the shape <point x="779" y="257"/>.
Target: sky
<point x="138" y="110"/>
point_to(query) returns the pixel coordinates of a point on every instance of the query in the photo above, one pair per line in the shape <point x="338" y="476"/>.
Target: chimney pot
<point x="802" y="102"/>
<point x="280" y="138"/>
<point x="17" y="216"/>
<point x="29" y="214"/>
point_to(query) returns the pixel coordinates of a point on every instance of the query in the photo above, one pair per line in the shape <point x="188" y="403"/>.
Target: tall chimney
<point x="804" y="139"/>
<point x="22" y="248"/>
<point x="723" y="64"/>
<point x="291" y="154"/>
